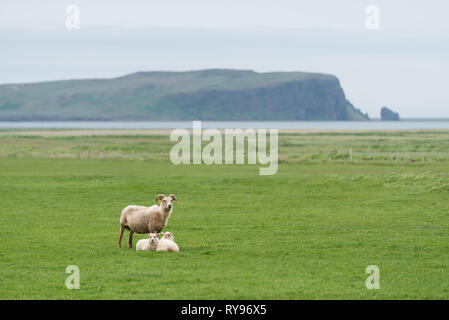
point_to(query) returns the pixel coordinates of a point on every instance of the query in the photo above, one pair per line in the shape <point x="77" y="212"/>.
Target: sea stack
<point x="387" y="114"/>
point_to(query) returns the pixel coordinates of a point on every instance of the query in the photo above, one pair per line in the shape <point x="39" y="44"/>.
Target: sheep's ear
<point x="148" y="235"/>
<point x="172" y="196"/>
<point x="160" y="197"/>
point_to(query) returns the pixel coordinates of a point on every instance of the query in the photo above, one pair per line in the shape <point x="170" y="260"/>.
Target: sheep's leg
<point x="130" y="241"/>
<point x="120" y="237"/>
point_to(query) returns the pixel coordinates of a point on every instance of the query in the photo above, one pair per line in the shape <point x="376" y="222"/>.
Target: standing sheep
<point x="145" y="219"/>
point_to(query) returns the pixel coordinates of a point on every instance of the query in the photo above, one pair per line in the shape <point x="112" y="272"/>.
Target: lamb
<point x="167" y="243"/>
<point x="148" y="244"/>
<point x="142" y="219"/>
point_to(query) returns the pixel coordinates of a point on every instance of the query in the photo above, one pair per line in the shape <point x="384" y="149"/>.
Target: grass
<point x="307" y="232"/>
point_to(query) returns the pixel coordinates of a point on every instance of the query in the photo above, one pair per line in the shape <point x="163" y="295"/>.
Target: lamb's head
<point x="169" y="236"/>
<point x="166" y="202"/>
<point x="154" y="239"/>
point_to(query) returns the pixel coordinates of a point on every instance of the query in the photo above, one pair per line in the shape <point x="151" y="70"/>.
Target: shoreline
<point x="163" y="132"/>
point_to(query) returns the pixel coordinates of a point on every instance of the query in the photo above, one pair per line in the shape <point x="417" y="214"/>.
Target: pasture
<point x="308" y="232"/>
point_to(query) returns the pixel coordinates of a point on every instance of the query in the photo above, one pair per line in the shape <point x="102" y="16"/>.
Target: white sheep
<point x="142" y="219"/>
<point x="148" y="244"/>
<point x="167" y="243"/>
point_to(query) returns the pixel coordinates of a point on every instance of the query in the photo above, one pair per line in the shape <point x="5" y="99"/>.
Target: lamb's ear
<point x="160" y="197"/>
<point x="172" y="196"/>
<point x="148" y="235"/>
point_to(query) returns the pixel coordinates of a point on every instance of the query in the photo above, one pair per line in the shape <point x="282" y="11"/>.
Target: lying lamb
<point x="167" y="243"/>
<point x="148" y="244"/>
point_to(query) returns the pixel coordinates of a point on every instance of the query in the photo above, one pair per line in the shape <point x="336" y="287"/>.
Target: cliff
<point x="216" y="94"/>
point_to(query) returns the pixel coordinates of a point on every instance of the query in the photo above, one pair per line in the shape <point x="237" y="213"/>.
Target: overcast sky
<point x="404" y="64"/>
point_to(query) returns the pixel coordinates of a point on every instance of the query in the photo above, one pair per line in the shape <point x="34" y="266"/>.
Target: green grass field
<point x="308" y="232"/>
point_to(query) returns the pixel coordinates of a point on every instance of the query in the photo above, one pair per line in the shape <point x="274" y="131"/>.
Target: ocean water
<point x="286" y="125"/>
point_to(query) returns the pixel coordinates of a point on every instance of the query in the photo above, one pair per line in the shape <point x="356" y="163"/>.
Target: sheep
<point x="167" y="243"/>
<point x="148" y="244"/>
<point x="142" y="219"/>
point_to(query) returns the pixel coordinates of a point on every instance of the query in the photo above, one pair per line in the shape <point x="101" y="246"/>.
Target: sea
<point x="421" y="124"/>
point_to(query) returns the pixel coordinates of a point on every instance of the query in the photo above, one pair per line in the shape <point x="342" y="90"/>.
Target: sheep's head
<point x="168" y="235"/>
<point x="166" y="202"/>
<point x="154" y="239"/>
